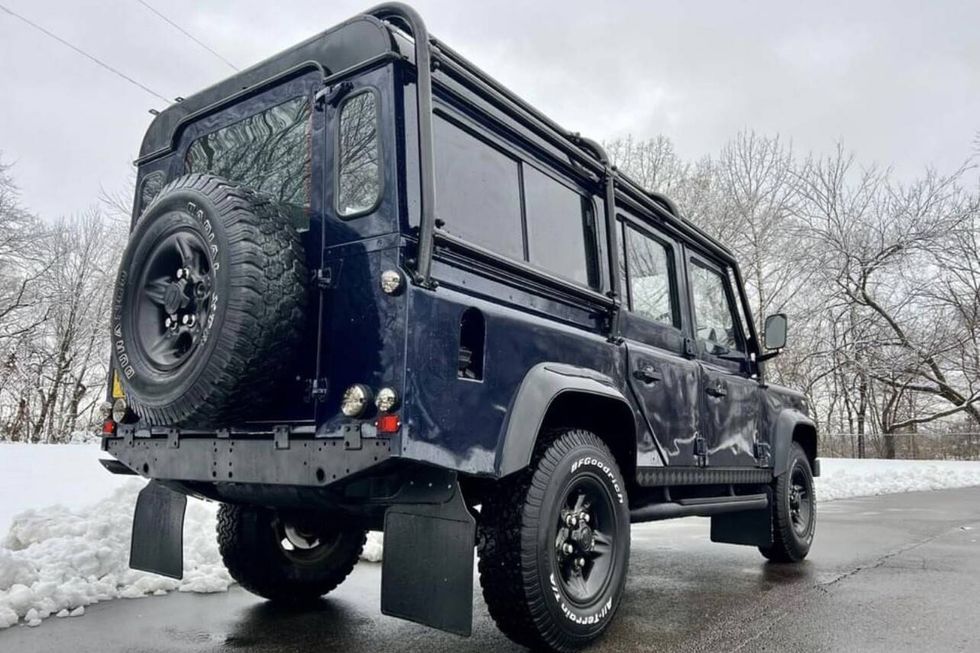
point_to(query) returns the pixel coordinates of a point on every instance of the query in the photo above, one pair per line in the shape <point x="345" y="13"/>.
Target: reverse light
<point x="119" y="408"/>
<point x="355" y="400"/>
<point x="387" y="400"/>
<point x="388" y="424"/>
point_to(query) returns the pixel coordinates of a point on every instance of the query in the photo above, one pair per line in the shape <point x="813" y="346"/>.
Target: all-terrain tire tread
<point x="513" y="595"/>
<point x="251" y="559"/>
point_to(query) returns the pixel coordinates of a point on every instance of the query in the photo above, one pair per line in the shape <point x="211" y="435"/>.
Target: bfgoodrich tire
<point x="554" y="545"/>
<point x="208" y="304"/>
<point x="794" y="510"/>
<point x="286" y="558"/>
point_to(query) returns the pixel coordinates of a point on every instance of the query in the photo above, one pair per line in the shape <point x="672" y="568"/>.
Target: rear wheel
<point x="554" y="545"/>
<point x="794" y="511"/>
<point x="289" y="558"/>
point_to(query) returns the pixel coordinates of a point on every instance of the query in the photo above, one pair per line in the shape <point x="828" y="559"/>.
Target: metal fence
<point x="904" y="446"/>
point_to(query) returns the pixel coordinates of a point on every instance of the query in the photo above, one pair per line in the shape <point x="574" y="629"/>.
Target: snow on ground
<point x="57" y="559"/>
<point x="844" y="477"/>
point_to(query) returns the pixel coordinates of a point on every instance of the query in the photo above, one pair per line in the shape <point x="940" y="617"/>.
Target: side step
<point x="699" y="507"/>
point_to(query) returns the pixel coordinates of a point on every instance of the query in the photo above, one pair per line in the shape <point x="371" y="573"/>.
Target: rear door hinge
<point x="332" y="95"/>
<point x="323" y="277"/>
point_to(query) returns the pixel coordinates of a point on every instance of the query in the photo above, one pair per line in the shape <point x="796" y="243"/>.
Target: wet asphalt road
<point x="894" y="573"/>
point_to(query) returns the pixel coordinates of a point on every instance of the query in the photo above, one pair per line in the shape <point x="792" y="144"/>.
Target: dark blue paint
<point x="410" y="341"/>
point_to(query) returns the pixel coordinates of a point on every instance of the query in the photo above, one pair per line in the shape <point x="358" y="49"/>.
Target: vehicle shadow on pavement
<point x="311" y="625"/>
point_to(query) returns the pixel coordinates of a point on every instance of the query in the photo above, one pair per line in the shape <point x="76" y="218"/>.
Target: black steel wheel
<point x="209" y="306"/>
<point x="554" y="545"/>
<point x="794" y="510"/>
<point x="286" y="557"/>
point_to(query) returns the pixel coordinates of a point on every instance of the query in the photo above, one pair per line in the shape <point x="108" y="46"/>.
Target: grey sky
<point x="899" y="82"/>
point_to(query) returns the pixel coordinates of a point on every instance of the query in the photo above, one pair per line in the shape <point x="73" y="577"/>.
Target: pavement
<point x="892" y="573"/>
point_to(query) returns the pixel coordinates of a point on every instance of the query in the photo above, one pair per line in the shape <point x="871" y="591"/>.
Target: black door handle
<point x="646" y="373"/>
<point x="717" y="390"/>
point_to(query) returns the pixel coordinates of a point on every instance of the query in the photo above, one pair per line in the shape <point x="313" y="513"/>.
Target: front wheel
<point x="794" y="510"/>
<point x="288" y="558"/>
<point x="554" y="545"/>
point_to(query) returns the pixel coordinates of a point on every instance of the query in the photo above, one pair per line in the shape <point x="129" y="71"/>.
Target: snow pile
<point x="57" y="560"/>
<point x="373" y="547"/>
<point x="842" y="478"/>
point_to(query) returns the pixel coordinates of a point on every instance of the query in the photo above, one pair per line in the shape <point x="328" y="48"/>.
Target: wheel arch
<point x="793" y="426"/>
<point x="554" y="395"/>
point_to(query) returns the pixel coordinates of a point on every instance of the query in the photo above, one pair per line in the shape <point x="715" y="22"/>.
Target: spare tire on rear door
<point x="209" y="304"/>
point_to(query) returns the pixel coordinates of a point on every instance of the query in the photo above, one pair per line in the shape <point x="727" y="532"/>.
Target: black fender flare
<point x="542" y="384"/>
<point x="782" y="438"/>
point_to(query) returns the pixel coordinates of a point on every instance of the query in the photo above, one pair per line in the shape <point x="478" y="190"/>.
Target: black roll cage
<point x="429" y="53"/>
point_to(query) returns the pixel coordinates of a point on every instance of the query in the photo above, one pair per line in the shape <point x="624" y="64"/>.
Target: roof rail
<point x="431" y="53"/>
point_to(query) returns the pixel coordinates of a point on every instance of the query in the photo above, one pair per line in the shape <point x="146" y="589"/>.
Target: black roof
<point x="365" y="38"/>
<point x="355" y="41"/>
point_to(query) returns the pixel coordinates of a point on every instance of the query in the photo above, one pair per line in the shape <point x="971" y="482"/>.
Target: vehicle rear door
<point x="730" y="410"/>
<point x="663" y="378"/>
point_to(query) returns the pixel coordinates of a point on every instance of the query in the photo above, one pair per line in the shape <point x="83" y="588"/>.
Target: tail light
<point x="388" y="424"/>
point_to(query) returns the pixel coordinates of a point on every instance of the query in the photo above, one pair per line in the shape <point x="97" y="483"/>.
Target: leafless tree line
<point x="880" y="278"/>
<point x="55" y="283"/>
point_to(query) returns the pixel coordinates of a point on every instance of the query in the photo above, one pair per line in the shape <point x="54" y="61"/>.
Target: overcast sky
<point x="898" y="82"/>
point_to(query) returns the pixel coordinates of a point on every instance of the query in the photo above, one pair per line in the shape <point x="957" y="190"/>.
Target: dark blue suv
<point x="368" y="287"/>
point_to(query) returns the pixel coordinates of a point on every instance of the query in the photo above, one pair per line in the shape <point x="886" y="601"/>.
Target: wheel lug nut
<point x="571" y="521"/>
<point x="580" y="562"/>
<point x="568" y="548"/>
<point x="167" y="322"/>
<point x="585" y="517"/>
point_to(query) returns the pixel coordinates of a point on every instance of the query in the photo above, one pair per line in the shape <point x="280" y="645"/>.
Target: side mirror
<point x="775" y="331"/>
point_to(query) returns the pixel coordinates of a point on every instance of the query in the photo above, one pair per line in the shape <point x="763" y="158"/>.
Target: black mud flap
<point x="427" y="572"/>
<point x="748" y="527"/>
<point x="158" y="531"/>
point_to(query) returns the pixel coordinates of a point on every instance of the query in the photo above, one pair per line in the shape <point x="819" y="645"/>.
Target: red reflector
<point x="108" y="427"/>
<point x="388" y="424"/>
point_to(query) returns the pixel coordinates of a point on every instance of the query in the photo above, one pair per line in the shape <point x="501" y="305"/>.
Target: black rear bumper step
<point x="116" y="467"/>
<point x="700" y="507"/>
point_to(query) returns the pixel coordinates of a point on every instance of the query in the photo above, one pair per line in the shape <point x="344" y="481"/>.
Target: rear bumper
<point x="274" y="458"/>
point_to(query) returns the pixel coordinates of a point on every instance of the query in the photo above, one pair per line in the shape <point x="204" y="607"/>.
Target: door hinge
<point x="700" y="451"/>
<point x="323" y="278"/>
<point x="332" y="95"/>
<point x="763" y="454"/>
<point x="690" y="349"/>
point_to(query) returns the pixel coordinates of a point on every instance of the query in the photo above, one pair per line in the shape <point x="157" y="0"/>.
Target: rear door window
<point x="268" y="152"/>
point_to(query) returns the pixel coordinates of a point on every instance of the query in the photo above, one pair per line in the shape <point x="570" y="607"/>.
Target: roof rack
<point x="431" y="53"/>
